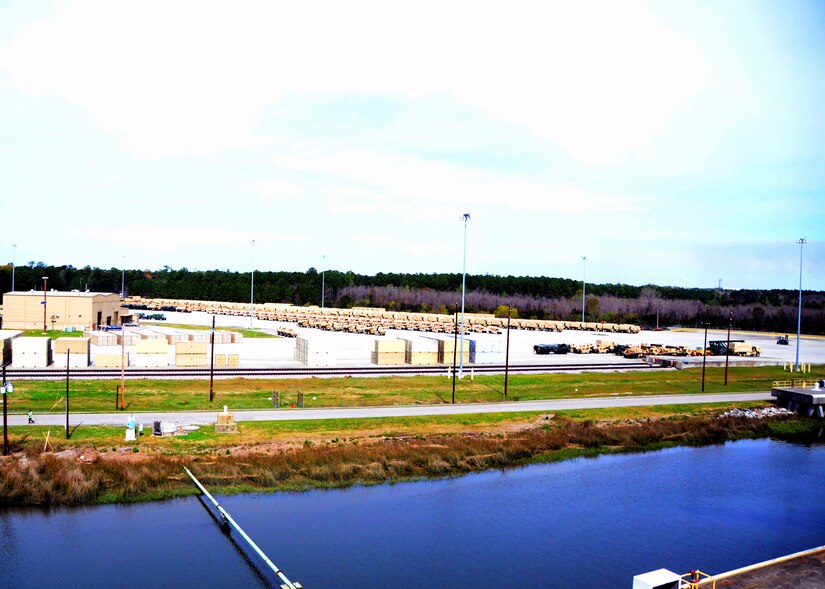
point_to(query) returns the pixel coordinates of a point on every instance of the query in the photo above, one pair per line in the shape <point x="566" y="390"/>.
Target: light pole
<point x="584" y="282"/>
<point x="212" y="359"/>
<point x="463" y="287"/>
<point x="123" y="279"/>
<point x="45" y="278"/>
<point x="323" y="269"/>
<point x="801" y="241"/>
<point x="252" y="285"/>
<point x="7" y="388"/>
<point x="507" y="353"/>
<point x="13" y="256"/>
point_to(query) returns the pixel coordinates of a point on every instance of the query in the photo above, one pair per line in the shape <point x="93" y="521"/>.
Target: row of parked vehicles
<point x="715" y="348"/>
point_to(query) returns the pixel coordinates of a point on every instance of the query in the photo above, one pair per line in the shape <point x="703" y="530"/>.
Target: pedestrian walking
<point x="31" y="416"/>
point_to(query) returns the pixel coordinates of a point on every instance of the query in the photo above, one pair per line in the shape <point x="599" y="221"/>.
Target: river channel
<point x="583" y="523"/>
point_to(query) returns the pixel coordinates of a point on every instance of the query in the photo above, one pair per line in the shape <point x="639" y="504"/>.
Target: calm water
<point x="585" y="523"/>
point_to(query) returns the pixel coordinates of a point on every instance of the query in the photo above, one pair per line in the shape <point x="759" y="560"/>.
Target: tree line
<point x="537" y="297"/>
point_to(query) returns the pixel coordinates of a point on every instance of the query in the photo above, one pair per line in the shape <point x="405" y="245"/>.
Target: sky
<point x="668" y="142"/>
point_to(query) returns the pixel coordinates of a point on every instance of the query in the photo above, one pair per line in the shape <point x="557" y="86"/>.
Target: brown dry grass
<point x="73" y="476"/>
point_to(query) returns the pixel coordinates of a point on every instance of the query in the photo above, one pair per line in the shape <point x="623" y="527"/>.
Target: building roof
<point x="62" y="293"/>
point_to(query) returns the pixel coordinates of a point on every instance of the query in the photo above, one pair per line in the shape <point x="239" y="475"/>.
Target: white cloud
<point x="366" y="181"/>
<point x="599" y="78"/>
<point x="166" y="238"/>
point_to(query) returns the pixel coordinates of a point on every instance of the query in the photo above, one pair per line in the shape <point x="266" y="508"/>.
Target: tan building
<point x="81" y="310"/>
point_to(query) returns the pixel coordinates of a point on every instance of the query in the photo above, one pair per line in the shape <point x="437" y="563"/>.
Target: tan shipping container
<point x="421" y="358"/>
<point x="389" y="346"/>
<point x="152" y="346"/>
<point x="190" y="360"/>
<point x="73" y="345"/>
<point x="190" y="348"/>
<point x="387" y="358"/>
<point x="110" y="360"/>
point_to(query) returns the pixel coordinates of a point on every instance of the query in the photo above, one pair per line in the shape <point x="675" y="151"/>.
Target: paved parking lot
<point x="354" y="349"/>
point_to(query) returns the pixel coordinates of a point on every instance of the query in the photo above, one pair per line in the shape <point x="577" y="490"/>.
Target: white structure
<point x="317" y="354"/>
<point x="660" y="579"/>
<point x="31" y="352"/>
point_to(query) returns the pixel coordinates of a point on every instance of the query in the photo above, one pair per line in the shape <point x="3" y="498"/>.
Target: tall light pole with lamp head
<point x="801" y="241"/>
<point x="252" y="285"/>
<point x="584" y="282"/>
<point x="463" y="287"/>
<point x="123" y="279"/>
<point x="323" y="269"/>
<point x="13" y="256"/>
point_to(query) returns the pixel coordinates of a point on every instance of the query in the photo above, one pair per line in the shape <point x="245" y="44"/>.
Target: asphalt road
<point x="209" y="417"/>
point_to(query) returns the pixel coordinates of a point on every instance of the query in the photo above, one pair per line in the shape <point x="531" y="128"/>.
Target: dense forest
<point x="531" y="297"/>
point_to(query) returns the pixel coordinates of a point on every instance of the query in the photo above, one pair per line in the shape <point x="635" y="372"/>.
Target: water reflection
<point x="583" y="523"/>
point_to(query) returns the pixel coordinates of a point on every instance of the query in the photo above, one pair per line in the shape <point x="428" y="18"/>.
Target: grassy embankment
<point x="95" y="465"/>
<point x="272" y="457"/>
<point x="177" y="395"/>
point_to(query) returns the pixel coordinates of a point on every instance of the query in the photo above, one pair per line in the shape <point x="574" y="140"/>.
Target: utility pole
<point x="727" y="348"/>
<point x="705" y="350"/>
<point x="13" y="258"/>
<point x="584" y="282"/>
<point x="7" y="388"/>
<point x="507" y="354"/>
<point x="212" y="359"/>
<point x="45" y="278"/>
<point x="122" y="369"/>
<point x="455" y="346"/>
<point x="67" y="395"/>
<point x="323" y="270"/>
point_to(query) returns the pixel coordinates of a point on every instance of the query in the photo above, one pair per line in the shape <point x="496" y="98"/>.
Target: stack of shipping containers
<point x="191" y="354"/>
<point x="151" y="353"/>
<point x="486" y="350"/>
<point x="77" y="349"/>
<point x="448" y="347"/>
<point x="31" y="352"/>
<point x="389" y="352"/>
<point x="315" y="353"/>
<point x="419" y="351"/>
<point x="6" y="337"/>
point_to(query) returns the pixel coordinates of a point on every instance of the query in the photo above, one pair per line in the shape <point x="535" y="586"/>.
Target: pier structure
<point x="800" y="570"/>
<point x="802" y="397"/>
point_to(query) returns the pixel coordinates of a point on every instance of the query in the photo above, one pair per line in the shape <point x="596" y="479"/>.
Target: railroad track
<point x="304" y="372"/>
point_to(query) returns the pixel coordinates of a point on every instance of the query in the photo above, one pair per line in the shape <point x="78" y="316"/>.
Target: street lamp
<point x="13" y="256"/>
<point x="584" y="282"/>
<point x="123" y="279"/>
<point x="323" y="268"/>
<point x="7" y="388"/>
<point x="463" y="287"/>
<point x="252" y="285"/>
<point x="801" y="241"/>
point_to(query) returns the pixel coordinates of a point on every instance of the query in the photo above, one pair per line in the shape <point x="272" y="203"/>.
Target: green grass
<point x="52" y="333"/>
<point x="175" y="395"/>
<point x="253" y="333"/>
<point x="344" y="431"/>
